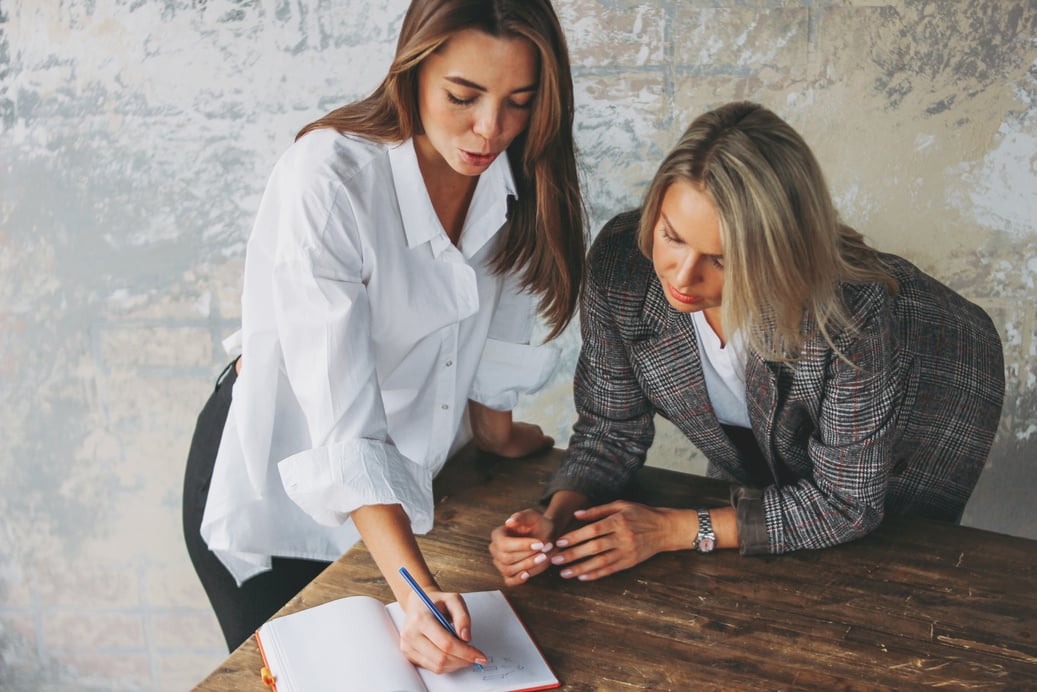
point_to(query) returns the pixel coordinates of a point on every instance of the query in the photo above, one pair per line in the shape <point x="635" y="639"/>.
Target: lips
<point x="475" y="159"/>
<point x="682" y="297"/>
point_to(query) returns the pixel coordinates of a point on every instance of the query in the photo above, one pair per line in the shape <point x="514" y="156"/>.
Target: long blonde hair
<point x="786" y="253"/>
<point x="545" y="234"/>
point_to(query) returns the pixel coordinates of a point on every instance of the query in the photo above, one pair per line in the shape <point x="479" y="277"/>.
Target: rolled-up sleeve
<point x="752" y="524"/>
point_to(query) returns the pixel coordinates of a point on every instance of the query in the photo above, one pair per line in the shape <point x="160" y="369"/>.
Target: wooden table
<point x="916" y="603"/>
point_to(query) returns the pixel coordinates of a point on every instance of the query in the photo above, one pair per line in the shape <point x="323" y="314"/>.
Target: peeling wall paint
<point x="135" y="140"/>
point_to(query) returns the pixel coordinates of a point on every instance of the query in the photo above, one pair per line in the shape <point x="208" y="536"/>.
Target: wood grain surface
<point x="915" y="603"/>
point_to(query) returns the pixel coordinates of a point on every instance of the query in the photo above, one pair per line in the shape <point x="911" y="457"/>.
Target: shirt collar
<point x="486" y="214"/>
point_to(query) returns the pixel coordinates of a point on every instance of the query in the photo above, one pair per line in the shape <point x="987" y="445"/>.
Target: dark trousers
<point x="240" y="610"/>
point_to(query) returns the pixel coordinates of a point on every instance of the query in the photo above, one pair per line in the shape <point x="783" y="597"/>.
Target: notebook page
<point x="515" y="663"/>
<point x="349" y="643"/>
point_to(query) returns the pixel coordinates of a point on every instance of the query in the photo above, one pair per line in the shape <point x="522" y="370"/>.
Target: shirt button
<point x="449" y="363"/>
<point x="445" y="407"/>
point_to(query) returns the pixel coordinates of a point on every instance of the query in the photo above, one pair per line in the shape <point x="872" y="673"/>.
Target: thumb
<point x="522" y="523"/>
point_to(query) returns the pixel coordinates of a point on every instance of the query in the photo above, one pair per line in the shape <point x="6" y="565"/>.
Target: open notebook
<point x="353" y="644"/>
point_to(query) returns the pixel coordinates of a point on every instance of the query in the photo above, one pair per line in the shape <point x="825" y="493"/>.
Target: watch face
<point x="706" y="545"/>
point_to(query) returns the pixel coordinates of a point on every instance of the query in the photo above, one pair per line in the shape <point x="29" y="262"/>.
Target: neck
<point x="450" y="192"/>
<point x="712" y="316"/>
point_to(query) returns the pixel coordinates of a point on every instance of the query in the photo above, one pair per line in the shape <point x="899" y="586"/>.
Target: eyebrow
<point x="461" y="81"/>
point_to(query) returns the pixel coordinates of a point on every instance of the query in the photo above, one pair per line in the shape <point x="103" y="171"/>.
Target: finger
<point x="595" y="568"/>
<point x="435" y="649"/>
<point x="458" y="652"/>
<point x="524" y="575"/>
<point x="584" y="551"/>
<point x="511" y="550"/>
<point x="599" y="511"/>
<point x="584" y="533"/>
<point x="457" y="613"/>
<point x="522" y="570"/>
<point x="523" y="521"/>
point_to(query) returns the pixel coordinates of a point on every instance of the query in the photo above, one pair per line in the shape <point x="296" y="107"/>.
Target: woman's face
<point x="687" y="253"/>
<point x="474" y="97"/>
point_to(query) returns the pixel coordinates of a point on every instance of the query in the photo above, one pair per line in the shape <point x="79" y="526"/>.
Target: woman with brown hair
<point x="391" y="285"/>
<point x="830" y="383"/>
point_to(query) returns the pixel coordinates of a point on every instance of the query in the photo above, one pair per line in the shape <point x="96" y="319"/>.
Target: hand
<point x="520" y="549"/>
<point x="620" y="535"/>
<point x="497" y="433"/>
<point x="522" y="440"/>
<point x="427" y="644"/>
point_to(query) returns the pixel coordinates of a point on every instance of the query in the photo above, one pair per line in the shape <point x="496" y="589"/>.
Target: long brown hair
<point x="545" y="234"/>
<point x="786" y="253"/>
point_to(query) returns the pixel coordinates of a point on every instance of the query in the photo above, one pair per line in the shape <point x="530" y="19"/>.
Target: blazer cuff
<point x="752" y="526"/>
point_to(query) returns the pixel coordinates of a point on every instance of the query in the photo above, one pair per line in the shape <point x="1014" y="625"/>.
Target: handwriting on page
<point x="497" y="669"/>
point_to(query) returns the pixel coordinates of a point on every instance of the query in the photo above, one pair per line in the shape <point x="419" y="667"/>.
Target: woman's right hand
<point x="521" y="547"/>
<point x="428" y="644"/>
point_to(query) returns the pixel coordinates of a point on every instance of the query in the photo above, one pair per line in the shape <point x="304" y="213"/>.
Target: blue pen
<point x="430" y="605"/>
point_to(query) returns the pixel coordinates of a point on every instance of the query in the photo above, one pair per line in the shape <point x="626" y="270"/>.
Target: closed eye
<point x="670" y="237"/>
<point x="460" y="101"/>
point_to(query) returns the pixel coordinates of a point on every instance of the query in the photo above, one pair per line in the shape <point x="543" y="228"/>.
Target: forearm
<point x="491" y="428"/>
<point x="387" y="534"/>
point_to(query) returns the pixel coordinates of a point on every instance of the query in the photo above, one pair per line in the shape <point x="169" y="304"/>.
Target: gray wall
<point x="135" y="138"/>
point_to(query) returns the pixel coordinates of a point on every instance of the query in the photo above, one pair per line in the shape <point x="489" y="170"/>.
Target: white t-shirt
<point x="724" y="370"/>
<point x="364" y="333"/>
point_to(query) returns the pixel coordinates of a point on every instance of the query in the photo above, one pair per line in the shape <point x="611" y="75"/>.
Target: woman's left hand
<point x="620" y="535"/>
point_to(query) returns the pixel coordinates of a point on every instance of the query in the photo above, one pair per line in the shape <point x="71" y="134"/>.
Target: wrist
<point x="683" y="526"/>
<point x="705" y="535"/>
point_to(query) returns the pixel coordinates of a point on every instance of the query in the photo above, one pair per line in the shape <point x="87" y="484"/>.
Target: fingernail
<point x="481" y="661"/>
<point x="547" y="547"/>
<point x="557" y="560"/>
<point x="536" y="546"/>
<point x="561" y="543"/>
<point x="539" y="559"/>
<point x="567" y="573"/>
<point x="580" y="511"/>
<point x="524" y="576"/>
<point x="466" y="634"/>
<point x="582" y="577"/>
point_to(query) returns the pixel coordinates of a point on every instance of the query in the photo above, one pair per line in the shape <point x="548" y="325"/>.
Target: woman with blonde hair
<point x="392" y="279"/>
<point x="831" y="384"/>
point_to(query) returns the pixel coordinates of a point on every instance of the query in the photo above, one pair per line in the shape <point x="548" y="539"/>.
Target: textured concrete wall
<point x="135" y="138"/>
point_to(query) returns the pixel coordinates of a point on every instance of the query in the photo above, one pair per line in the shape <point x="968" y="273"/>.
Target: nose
<point x="687" y="270"/>
<point x="488" y="121"/>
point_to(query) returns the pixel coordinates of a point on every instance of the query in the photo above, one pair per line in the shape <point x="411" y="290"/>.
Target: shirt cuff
<point x="752" y="526"/>
<point x="509" y="369"/>
<point x="232" y="344"/>
<point x="330" y="482"/>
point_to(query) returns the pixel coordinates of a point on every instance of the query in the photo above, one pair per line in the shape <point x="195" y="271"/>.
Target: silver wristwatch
<point x="706" y="541"/>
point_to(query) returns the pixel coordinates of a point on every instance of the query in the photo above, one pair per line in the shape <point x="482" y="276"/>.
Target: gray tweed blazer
<point x="906" y="431"/>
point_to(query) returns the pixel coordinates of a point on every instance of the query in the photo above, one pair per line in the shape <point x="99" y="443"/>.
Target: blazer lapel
<point x="761" y="398"/>
<point x="665" y="356"/>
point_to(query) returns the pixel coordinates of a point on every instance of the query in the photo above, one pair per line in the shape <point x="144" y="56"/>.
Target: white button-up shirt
<point x="364" y="333"/>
